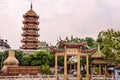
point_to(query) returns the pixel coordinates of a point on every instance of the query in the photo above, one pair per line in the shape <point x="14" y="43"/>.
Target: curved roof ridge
<point x="98" y="54"/>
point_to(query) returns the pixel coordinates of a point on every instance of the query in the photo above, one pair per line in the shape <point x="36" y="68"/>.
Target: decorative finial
<point x="60" y="38"/>
<point x="51" y="45"/>
<point x="31" y="5"/>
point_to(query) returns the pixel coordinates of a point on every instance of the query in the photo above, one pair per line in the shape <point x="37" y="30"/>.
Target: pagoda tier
<point x="30" y="27"/>
<point x="31" y="13"/>
<point x="30" y="30"/>
<point x="29" y="40"/>
<point x="28" y="46"/>
<point x="27" y="33"/>
<point x="30" y="21"/>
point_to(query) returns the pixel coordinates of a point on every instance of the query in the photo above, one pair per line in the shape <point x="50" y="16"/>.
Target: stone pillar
<point x="11" y="61"/>
<point x="70" y="66"/>
<point x="74" y="67"/>
<point x="78" y="65"/>
<point x="56" y="65"/>
<point x="65" y="64"/>
<point x="105" y="69"/>
<point x="87" y="67"/>
<point x="99" y="69"/>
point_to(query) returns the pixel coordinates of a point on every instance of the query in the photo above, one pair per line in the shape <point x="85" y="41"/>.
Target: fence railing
<point x="29" y="77"/>
<point x="98" y="77"/>
<point x="49" y="77"/>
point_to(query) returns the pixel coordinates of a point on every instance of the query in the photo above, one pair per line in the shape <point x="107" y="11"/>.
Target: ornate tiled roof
<point x="98" y="58"/>
<point x="4" y="43"/>
<point x="31" y="12"/>
<point x="98" y="54"/>
<point x="72" y="44"/>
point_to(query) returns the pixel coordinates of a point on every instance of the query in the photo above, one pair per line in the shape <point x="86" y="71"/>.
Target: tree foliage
<point x="110" y="45"/>
<point x="3" y="56"/>
<point x="45" y="69"/>
<point x="90" y="42"/>
<point x="39" y="58"/>
<point x="23" y="61"/>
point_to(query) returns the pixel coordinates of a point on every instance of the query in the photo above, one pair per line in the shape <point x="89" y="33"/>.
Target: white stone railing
<point x="29" y="77"/>
<point x="98" y="77"/>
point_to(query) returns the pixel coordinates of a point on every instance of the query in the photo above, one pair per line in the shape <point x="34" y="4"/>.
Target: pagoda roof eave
<point x="26" y="15"/>
<point x="30" y="13"/>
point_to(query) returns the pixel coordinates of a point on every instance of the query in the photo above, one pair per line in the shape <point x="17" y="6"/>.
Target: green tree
<point x="110" y="45"/>
<point x="23" y="61"/>
<point x="61" y="61"/>
<point x="90" y="42"/>
<point x="52" y="59"/>
<point x="3" y="56"/>
<point x="45" y="69"/>
<point x="39" y="58"/>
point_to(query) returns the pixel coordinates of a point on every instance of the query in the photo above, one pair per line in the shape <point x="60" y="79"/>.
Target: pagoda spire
<point x="31" y="6"/>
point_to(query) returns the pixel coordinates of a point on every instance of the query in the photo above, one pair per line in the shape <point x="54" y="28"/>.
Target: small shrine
<point x="30" y="30"/>
<point x="99" y="64"/>
<point x="72" y="49"/>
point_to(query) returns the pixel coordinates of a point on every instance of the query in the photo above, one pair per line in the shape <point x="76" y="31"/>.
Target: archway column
<point x="87" y="67"/>
<point x="78" y="65"/>
<point x="56" y="65"/>
<point x="99" y="69"/>
<point x="65" y="65"/>
<point x="70" y="65"/>
<point x="105" y="69"/>
<point x="74" y="66"/>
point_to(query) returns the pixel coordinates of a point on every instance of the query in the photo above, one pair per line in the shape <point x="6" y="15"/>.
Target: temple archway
<point x="72" y="49"/>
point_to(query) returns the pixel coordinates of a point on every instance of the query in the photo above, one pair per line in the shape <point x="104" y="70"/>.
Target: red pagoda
<point x="30" y="30"/>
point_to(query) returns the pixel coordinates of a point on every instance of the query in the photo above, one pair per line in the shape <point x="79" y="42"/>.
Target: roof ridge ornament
<point x="60" y="38"/>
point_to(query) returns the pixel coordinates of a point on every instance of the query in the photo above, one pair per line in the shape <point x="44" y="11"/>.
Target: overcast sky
<point x="80" y="18"/>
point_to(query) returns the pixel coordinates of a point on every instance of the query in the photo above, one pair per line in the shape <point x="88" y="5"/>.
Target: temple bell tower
<point x="30" y="30"/>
